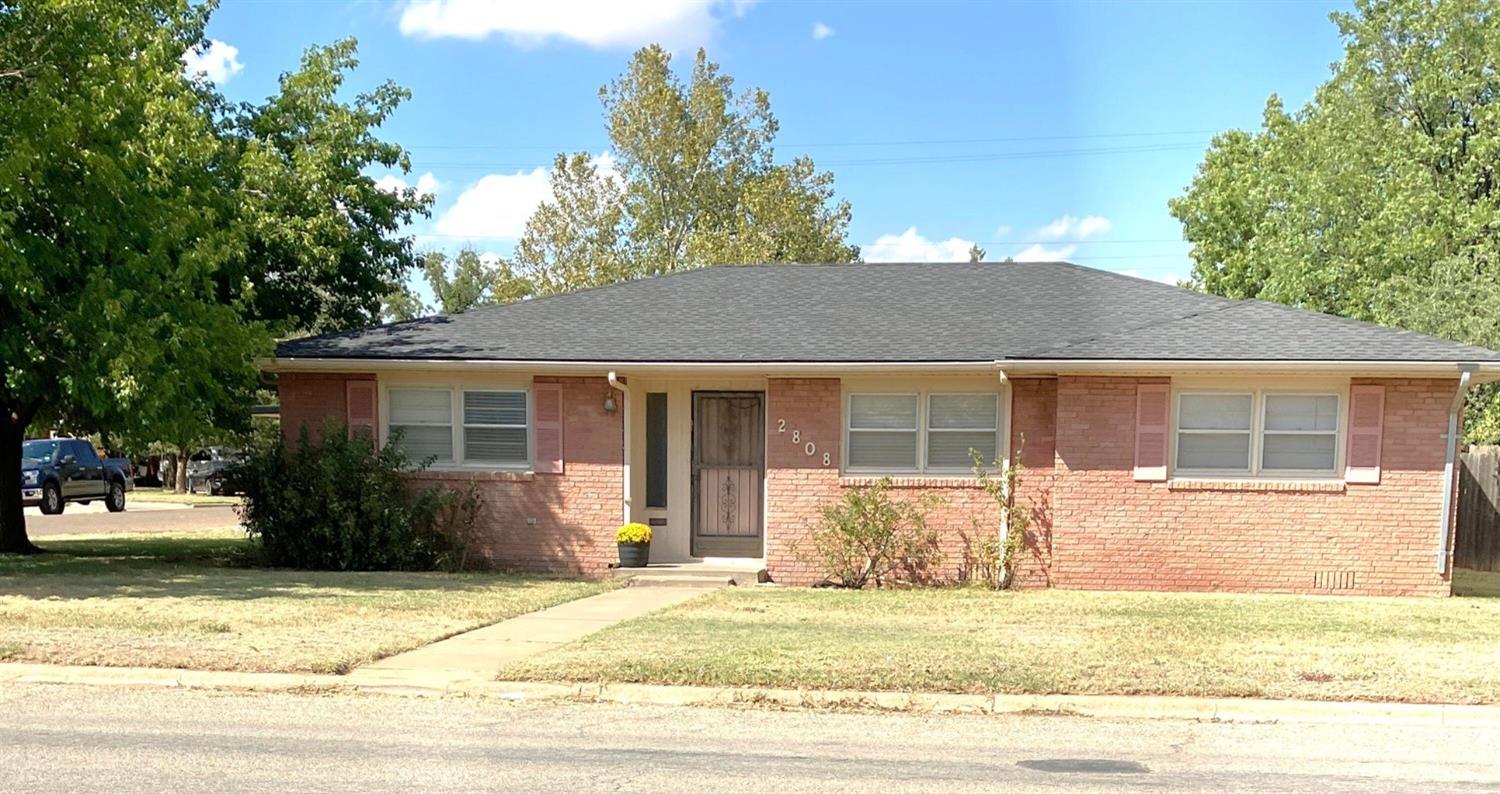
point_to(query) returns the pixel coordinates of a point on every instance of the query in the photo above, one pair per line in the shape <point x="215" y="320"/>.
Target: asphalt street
<point x="79" y="520"/>
<point x="78" y="739"/>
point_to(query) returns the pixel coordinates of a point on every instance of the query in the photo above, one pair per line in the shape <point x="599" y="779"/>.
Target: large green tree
<point x="1377" y="200"/>
<point x="458" y="283"/>
<point x="691" y="181"/>
<point x="323" y="242"/>
<point x="153" y="239"/>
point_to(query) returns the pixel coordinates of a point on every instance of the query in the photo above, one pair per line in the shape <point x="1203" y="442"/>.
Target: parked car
<point x="227" y="481"/>
<point x="55" y="471"/>
<point x="127" y="468"/>
<point x="204" y="464"/>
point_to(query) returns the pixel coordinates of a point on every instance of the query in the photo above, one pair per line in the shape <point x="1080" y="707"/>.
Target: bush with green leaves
<point x="343" y="504"/>
<point x="870" y="538"/>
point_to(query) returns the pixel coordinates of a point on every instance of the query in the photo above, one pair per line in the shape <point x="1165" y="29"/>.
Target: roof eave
<point x="1484" y="371"/>
<point x="595" y="367"/>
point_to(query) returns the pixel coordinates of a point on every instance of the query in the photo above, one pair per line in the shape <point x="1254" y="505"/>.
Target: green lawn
<point x="195" y="602"/>
<point x="1058" y="641"/>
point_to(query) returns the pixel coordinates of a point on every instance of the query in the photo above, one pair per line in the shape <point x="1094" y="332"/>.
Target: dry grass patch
<point x="195" y="602"/>
<point x="159" y="495"/>
<point x="1058" y="641"/>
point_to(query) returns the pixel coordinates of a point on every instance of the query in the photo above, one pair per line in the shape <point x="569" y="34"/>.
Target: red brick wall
<point x="308" y="399"/>
<point x="799" y="485"/>
<point x="1092" y="525"/>
<point x="575" y="513"/>
<point x="1110" y="532"/>
<point x="1033" y="433"/>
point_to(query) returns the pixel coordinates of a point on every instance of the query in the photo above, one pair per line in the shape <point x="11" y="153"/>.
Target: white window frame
<point x="449" y="424"/>
<point x="928" y="429"/>
<point x="1337" y="433"/>
<point x="1249" y="432"/>
<point x="922" y="430"/>
<point x="916" y="430"/>
<point x="1257" y="432"/>
<point x="455" y="392"/>
<point x="525" y="427"/>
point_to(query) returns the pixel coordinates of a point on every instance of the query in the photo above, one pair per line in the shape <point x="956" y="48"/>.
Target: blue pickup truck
<point x="55" y="471"/>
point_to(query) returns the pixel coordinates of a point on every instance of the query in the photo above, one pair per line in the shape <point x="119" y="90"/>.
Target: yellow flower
<point x="633" y="533"/>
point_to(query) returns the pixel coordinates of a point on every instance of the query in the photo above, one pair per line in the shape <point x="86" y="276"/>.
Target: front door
<point x="729" y="442"/>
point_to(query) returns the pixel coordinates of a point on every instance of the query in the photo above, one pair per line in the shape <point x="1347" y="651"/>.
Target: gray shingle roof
<point x="885" y="312"/>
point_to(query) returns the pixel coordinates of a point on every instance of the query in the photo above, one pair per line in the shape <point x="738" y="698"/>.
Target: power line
<point x="852" y="144"/>
<point x="879" y="161"/>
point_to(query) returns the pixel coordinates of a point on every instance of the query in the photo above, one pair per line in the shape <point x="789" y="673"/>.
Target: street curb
<point x="1101" y="706"/>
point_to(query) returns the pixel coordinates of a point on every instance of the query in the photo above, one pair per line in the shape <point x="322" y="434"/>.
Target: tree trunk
<point x="13" y="538"/>
<point x="181" y="471"/>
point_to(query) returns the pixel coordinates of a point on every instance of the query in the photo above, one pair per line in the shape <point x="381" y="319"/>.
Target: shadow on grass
<point x="195" y="567"/>
<point x="1476" y="584"/>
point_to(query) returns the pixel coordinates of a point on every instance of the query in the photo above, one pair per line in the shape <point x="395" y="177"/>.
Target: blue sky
<point x="1039" y="130"/>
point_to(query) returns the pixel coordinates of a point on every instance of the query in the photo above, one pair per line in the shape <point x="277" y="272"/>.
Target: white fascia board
<point x="773" y="368"/>
<point x="1483" y="371"/>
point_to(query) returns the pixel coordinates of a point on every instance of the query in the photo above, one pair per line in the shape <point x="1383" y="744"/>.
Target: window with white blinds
<point x="1213" y="432"/>
<point x="478" y="427"/>
<point x="960" y="426"/>
<point x="495" y="427"/>
<point x="1301" y="433"/>
<point x="883" y="431"/>
<point x="424" y="419"/>
<point x="922" y="432"/>
<point x="1287" y="433"/>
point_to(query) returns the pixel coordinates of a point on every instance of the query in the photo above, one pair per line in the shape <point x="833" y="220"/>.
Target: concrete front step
<point x="699" y="575"/>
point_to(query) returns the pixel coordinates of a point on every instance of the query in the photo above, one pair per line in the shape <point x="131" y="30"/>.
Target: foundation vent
<point x="1333" y="580"/>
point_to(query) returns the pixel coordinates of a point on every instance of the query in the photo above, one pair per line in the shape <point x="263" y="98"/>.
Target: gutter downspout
<point x="1005" y="461"/>
<point x="625" y="441"/>
<point x="1450" y="462"/>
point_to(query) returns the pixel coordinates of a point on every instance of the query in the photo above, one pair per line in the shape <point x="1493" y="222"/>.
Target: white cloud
<point x="1003" y="229"/>
<point x="909" y="246"/>
<point x="1073" y="226"/>
<point x="218" y="62"/>
<point x="496" y="207"/>
<point x="676" y="24"/>
<point x="427" y="184"/>
<point x="821" y="31"/>
<point x="1041" y="253"/>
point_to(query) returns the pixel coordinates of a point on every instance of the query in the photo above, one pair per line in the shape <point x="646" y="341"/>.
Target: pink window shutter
<point x="360" y="397"/>
<point x="1152" y="407"/>
<point x="1366" y="429"/>
<point x="549" y="430"/>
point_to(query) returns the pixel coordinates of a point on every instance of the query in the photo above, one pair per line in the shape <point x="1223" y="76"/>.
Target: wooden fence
<point x="1477" y="544"/>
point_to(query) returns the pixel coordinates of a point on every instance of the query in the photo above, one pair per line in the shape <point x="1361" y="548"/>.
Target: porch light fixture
<point x="609" y="404"/>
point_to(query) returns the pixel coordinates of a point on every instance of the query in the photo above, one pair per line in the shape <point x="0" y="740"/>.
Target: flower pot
<point x="634" y="555"/>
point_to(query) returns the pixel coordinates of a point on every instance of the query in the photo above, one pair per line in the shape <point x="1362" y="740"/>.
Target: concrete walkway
<point x="476" y="656"/>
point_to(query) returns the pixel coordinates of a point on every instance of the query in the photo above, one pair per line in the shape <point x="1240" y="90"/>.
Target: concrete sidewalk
<point x="476" y="656"/>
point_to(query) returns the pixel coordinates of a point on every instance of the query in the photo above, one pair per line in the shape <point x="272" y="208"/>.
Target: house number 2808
<point x="809" y="448"/>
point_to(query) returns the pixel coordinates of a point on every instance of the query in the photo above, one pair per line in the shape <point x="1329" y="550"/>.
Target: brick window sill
<point x="910" y="481"/>
<point x="471" y="475"/>
<point x="1255" y="486"/>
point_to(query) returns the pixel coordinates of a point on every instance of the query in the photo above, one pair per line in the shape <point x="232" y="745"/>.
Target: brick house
<point x="1171" y="440"/>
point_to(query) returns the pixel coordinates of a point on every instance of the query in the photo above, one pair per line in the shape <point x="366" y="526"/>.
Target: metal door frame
<point x="696" y="464"/>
